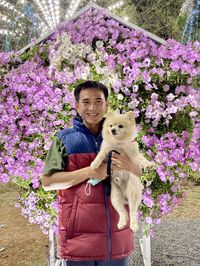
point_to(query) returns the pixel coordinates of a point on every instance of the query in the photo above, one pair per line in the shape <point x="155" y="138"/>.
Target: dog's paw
<point x="122" y="222"/>
<point x="134" y="226"/>
<point x="148" y="165"/>
<point x="95" y="164"/>
<point x="121" y="225"/>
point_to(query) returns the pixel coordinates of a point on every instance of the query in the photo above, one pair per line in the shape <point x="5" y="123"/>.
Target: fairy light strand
<point x="116" y="5"/>
<point x="72" y="8"/>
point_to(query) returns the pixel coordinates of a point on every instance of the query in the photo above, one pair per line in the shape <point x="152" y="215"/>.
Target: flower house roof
<point x="95" y="6"/>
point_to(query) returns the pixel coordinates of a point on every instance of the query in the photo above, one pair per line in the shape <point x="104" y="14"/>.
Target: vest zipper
<point x="96" y="145"/>
<point x="106" y="192"/>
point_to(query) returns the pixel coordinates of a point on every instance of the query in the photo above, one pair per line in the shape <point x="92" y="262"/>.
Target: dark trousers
<point x="122" y="262"/>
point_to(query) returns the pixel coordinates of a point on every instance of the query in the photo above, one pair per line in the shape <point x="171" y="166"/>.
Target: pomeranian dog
<point x="119" y="131"/>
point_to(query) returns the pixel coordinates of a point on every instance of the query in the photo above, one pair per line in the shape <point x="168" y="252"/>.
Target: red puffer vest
<point x="88" y="224"/>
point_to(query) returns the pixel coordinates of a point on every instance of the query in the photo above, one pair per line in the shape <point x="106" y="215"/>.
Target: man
<point x="88" y="233"/>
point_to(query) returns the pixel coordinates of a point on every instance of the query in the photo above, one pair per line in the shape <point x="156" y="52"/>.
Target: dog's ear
<point x="109" y="114"/>
<point x="130" y="115"/>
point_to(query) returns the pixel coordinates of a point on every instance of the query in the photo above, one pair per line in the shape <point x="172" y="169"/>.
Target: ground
<point x="23" y="244"/>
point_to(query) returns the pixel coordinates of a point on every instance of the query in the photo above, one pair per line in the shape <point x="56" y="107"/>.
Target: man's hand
<point x="123" y="162"/>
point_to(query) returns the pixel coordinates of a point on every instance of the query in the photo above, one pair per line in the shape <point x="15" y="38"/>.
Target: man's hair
<point x="89" y="84"/>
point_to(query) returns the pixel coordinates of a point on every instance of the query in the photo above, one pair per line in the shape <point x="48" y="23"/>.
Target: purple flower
<point x="166" y="87"/>
<point x="4" y="178"/>
<point x="148" y="220"/>
<point x="148" y="201"/>
<point x="157" y="221"/>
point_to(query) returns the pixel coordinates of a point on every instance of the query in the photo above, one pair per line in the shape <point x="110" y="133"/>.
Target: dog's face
<point x="119" y="128"/>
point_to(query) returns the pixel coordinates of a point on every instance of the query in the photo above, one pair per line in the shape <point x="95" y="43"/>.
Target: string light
<point x="6" y="32"/>
<point x="42" y="7"/>
<point x="50" y="10"/>
<point x="43" y="17"/>
<point x="10" y="7"/>
<point x="6" y="4"/>
<point x="3" y="32"/>
<point x="47" y="13"/>
<point x="57" y="11"/>
<point x="116" y="5"/>
<point x="4" y="18"/>
<point x="72" y="8"/>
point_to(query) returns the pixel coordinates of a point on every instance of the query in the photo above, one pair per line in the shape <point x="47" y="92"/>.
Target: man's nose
<point x="92" y="106"/>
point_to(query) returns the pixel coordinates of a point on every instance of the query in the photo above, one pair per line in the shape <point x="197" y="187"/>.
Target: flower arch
<point x="159" y="82"/>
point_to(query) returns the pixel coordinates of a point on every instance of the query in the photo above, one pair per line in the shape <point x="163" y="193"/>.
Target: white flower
<point x="193" y="114"/>
<point x="170" y="97"/>
<point x="65" y="50"/>
<point x="85" y="74"/>
<point x="99" y="44"/>
<point x="91" y="57"/>
<point x="131" y="105"/>
<point x="120" y="96"/>
<point x="147" y="62"/>
<point x="135" y="88"/>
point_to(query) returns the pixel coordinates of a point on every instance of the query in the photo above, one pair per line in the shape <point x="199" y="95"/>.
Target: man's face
<point x="91" y="106"/>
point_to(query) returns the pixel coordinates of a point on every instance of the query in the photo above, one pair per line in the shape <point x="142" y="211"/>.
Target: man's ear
<point x="77" y="107"/>
<point x="130" y="115"/>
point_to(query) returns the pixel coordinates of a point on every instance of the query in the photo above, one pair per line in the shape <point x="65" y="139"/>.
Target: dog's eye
<point x="121" y="126"/>
<point x="110" y="125"/>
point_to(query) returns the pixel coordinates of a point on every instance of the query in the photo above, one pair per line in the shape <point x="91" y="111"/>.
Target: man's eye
<point x="121" y="126"/>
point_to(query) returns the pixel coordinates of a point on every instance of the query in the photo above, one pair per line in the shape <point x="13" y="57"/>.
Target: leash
<point x="107" y="181"/>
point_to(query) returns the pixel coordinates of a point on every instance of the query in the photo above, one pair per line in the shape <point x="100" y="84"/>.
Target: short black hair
<point x="90" y="84"/>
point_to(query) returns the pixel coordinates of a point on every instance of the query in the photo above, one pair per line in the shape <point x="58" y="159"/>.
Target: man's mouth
<point x="92" y="115"/>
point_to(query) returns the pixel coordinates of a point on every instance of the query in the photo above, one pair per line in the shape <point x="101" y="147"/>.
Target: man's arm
<point x="63" y="180"/>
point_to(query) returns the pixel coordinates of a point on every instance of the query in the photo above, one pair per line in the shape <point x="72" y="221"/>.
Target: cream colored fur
<point x="119" y="131"/>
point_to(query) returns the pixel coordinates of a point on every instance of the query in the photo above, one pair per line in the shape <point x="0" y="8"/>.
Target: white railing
<point x="52" y="258"/>
<point x="145" y="244"/>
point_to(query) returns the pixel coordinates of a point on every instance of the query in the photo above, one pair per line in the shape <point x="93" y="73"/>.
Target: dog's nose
<point x="114" y="132"/>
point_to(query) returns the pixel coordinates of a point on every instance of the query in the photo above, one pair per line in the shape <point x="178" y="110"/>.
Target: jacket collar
<point x="79" y="126"/>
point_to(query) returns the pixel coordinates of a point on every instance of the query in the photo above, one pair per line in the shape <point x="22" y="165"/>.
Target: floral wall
<point x="160" y="83"/>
